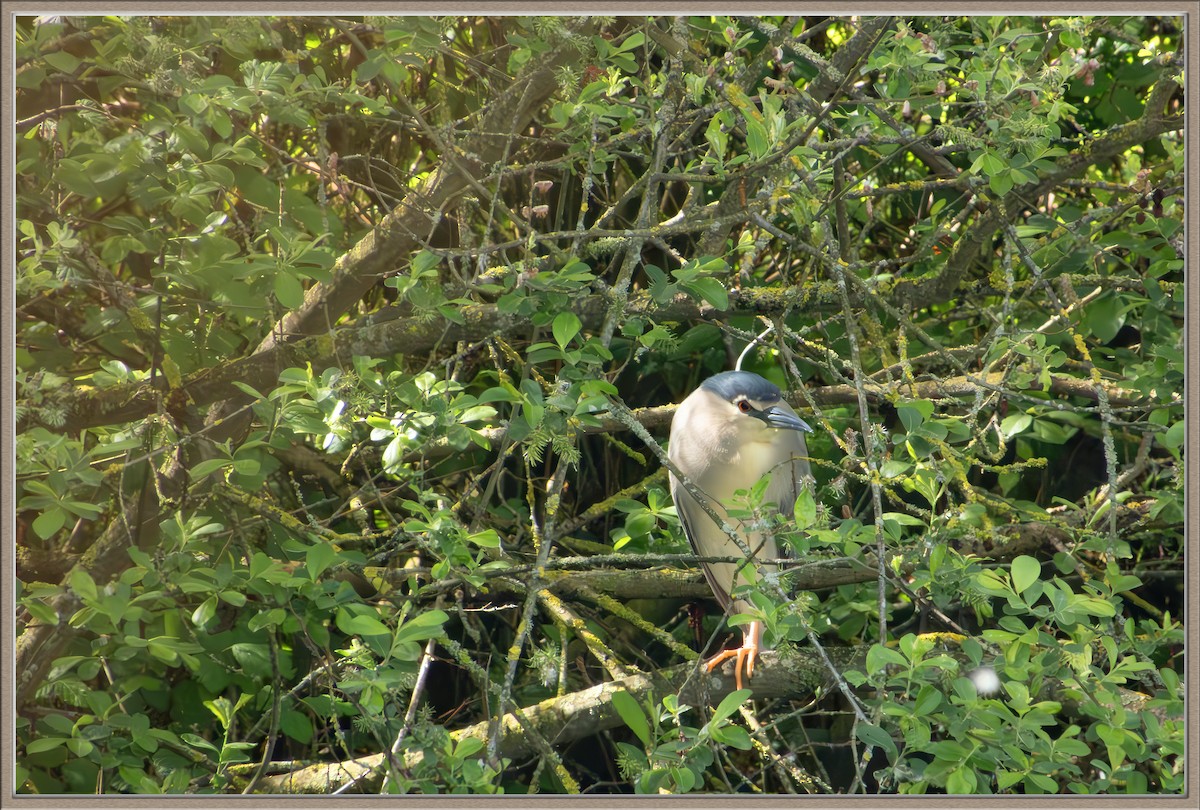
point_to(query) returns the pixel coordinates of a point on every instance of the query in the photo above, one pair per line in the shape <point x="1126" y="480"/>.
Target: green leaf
<point x="991" y="582"/>
<point x="288" y="290"/>
<point x="729" y="704"/>
<point x="902" y="519"/>
<point x="319" y="556"/>
<point x="44" y="744"/>
<point x="196" y="741"/>
<point x="84" y="510"/>
<point x="205" y="613"/>
<point x="632" y="41"/>
<point x="254" y="659"/>
<point x="1174" y="437"/>
<point x="236" y="752"/>
<point x="991" y="163"/>
<point x="1025" y="571"/>
<point x="805" y="509"/>
<point x="83" y="585"/>
<point x="62" y="60"/>
<point x="271" y="618"/>
<point x="871" y="734"/>
<point x="1105" y="316"/>
<point x="1123" y="582"/>
<point x="81" y="748"/>
<point x="736" y="737"/>
<point x="710" y="290"/>
<point x="566" y="326"/>
<point x="488" y="538"/>
<point x="424" y="264"/>
<point x="477" y="413"/>
<point x="1015" y="423"/>
<point x="246" y="388"/>
<point x="422" y="626"/>
<point x="360" y="625"/>
<point x="937" y="555"/>
<point x="41" y="611"/>
<point x="961" y="780"/>
<point x="913" y="414"/>
<point x="499" y="394"/>
<point x="219" y="120"/>
<point x="879" y="658"/>
<point x="208" y="466"/>
<point x="1094" y="606"/>
<point x="894" y="468"/>
<point x="296" y="725"/>
<point x="163" y="652"/>
<point x="632" y="715"/>
<point x="1006" y="779"/>
<point x="756" y="138"/>
<point x="468" y="747"/>
<point x="247" y="466"/>
<point x="49" y="522"/>
<point x="452" y="312"/>
<point x="370" y="67"/>
<point x="927" y="702"/>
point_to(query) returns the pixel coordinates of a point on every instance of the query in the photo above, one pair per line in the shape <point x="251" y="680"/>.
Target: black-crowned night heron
<point x="730" y="432"/>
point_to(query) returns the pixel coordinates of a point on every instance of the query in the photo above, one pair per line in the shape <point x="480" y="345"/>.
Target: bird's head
<point x="752" y="403"/>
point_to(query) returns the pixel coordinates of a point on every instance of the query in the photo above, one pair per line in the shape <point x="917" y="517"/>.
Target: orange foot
<point x="743" y="656"/>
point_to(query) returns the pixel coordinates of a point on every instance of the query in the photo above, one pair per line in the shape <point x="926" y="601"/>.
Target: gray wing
<point x="788" y="480"/>
<point x="702" y="536"/>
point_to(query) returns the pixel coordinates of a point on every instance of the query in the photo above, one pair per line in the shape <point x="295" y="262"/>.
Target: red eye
<point x="744" y="406"/>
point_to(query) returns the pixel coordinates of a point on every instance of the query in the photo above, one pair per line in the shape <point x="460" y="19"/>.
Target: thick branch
<point x="794" y="674"/>
<point x="791" y="673"/>
<point x="631" y="576"/>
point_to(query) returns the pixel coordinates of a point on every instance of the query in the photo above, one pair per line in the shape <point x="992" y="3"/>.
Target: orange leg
<point x="743" y="656"/>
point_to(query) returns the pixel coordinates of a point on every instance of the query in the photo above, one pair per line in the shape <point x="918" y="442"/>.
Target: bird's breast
<point x="740" y="469"/>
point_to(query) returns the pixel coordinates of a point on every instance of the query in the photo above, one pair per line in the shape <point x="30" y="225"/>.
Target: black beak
<point x="777" y="417"/>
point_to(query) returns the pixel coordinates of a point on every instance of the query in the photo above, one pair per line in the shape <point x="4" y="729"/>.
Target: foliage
<point x="327" y="332"/>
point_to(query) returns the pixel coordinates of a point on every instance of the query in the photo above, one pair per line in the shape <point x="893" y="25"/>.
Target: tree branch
<point x="925" y="292"/>
<point x="795" y="673"/>
<point x="401" y="231"/>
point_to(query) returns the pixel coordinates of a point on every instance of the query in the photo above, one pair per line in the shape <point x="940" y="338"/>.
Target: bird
<point x="726" y="435"/>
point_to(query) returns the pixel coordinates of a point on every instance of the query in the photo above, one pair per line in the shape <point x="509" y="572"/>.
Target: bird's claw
<point x="743" y="657"/>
